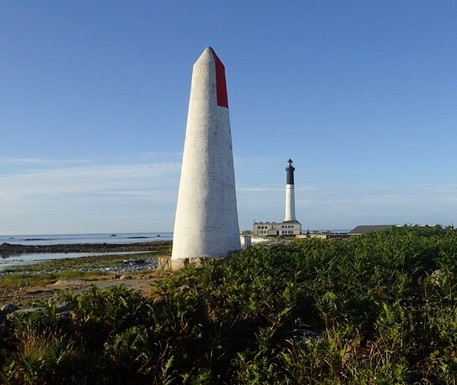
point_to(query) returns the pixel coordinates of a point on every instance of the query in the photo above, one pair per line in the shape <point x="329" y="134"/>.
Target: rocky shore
<point x="25" y="284"/>
<point x="9" y="248"/>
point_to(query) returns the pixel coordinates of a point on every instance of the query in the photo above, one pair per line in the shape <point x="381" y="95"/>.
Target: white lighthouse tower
<point x="206" y="224"/>
<point x="289" y="226"/>
<point x="290" y="193"/>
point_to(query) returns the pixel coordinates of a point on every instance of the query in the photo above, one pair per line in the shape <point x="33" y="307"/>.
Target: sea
<point x="10" y="260"/>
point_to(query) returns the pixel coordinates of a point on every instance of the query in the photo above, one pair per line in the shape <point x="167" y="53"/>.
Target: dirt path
<point x="24" y="297"/>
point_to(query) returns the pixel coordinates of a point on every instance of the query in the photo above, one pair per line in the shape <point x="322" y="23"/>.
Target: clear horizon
<point x="104" y="233"/>
<point x="360" y="95"/>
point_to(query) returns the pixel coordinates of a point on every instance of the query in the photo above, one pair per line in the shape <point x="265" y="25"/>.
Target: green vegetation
<point x="18" y="280"/>
<point x="50" y="271"/>
<point x="93" y="262"/>
<point x="383" y="307"/>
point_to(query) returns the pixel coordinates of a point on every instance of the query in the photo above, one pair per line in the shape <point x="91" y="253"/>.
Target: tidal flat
<point x="24" y="284"/>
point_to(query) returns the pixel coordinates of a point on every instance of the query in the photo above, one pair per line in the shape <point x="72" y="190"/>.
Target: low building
<point x="290" y="226"/>
<point x="324" y="235"/>
<point x="277" y="228"/>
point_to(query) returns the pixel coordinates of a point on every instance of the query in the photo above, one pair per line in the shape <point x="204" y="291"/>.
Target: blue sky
<point x="360" y="94"/>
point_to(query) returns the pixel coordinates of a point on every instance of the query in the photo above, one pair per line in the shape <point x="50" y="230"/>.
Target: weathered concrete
<point x="246" y="241"/>
<point x="166" y="263"/>
<point x="206" y="224"/>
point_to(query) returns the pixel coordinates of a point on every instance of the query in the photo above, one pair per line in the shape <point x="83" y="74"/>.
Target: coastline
<point x="24" y="284"/>
<point x="11" y="248"/>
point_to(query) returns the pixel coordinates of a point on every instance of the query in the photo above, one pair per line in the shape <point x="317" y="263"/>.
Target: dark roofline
<point x="363" y="229"/>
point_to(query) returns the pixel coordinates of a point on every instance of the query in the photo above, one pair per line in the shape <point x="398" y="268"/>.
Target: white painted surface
<point x="206" y="223"/>
<point x="290" y="203"/>
<point x="245" y="241"/>
<point x="276" y="228"/>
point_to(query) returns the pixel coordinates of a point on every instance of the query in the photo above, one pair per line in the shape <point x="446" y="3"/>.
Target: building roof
<point x="277" y="223"/>
<point x="363" y="229"/>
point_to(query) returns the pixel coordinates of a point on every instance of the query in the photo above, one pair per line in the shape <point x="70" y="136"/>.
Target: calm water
<point x="56" y="239"/>
<point x="70" y="239"/>
<point x="26" y="259"/>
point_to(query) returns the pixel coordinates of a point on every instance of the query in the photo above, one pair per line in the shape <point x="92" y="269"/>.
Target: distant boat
<point x="113" y="235"/>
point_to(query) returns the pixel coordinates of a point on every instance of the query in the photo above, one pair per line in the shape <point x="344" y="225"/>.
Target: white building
<point x="277" y="228"/>
<point x="290" y="226"/>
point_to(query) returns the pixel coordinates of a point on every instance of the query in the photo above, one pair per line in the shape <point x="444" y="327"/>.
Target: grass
<point x="383" y="307"/>
<point x="47" y="272"/>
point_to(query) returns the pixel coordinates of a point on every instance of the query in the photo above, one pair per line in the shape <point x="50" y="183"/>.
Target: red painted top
<point x="221" y="86"/>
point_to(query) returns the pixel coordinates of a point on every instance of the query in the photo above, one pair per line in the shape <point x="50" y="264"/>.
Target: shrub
<point x="376" y="309"/>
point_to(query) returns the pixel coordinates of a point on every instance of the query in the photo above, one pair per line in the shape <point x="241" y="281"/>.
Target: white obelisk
<point x="206" y="224"/>
<point x="290" y="193"/>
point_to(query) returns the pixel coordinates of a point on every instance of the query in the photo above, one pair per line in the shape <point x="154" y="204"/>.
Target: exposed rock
<point x="7" y="309"/>
<point x="164" y="263"/>
<point x="9" y="248"/>
<point x="62" y="308"/>
<point x="65" y="282"/>
<point x="26" y="312"/>
<point x="63" y="311"/>
<point x="303" y="336"/>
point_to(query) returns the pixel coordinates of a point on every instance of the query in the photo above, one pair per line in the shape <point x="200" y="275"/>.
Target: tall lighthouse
<point x="289" y="226"/>
<point x="206" y="223"/>
<point x="290" y="193"/>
